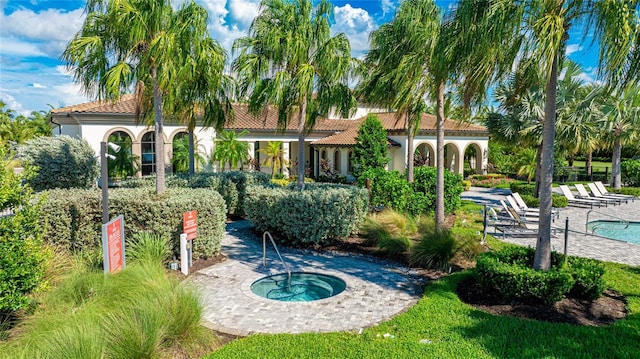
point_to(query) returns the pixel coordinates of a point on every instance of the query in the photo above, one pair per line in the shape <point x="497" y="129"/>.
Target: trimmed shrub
<point x="371" y="149"/>
<point x="424" y="181"/>
<point x="510" y="272"/>
<point x="389" y="189"/>
<point x="74" y="216"/>
<point x="59" y="162"/>
<point x="630" y="172"/>
<point x="318" y="214"/>
<point x="523" y="189"/>
<point x="630" y="191"/>
<point x="558" y="200"/>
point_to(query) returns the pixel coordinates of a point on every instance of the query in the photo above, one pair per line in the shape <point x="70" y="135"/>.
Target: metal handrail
<point x="593" y="229"/>
<point x="264" y="254"/>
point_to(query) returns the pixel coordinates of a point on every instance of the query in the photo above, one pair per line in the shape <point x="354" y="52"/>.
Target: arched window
<point x="123" y="163"/>
<point x="148" y="150"/>
<point x="336" y="161"/>
<point x="180" y="158"/>
<point x="350" y="163"/>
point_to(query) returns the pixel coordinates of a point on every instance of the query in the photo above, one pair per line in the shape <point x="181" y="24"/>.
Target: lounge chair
<point x="583" y="193"/>
<point x="520" y="228"/>
<point x="508" y="210"/>
<point x="555" y="213"/>
<point x="578" y="201"/>
<point x="601" y="187"/>
<point x="597" y="194"/>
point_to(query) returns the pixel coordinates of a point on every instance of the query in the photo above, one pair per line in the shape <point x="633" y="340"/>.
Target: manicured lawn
<point x="441" y="326"/>
<point x="597" y="166"/>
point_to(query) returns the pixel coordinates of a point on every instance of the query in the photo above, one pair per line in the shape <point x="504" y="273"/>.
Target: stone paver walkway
<point x="579" y="244"/>
<point x="375" y="292"/>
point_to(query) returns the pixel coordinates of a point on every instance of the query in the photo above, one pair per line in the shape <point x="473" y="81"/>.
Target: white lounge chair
<point x="583" y="193"/>
<point x="555" y="213"/>
<point x="520" y="228"/>
<point x="604" y="191"/>
<point x="508" y="210"/>
<point x="528" y="215"/>
<point x="578" y="201"/>
<point x="597" y="194"/>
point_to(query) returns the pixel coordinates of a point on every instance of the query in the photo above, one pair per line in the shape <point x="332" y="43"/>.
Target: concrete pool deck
<point x="376" y="291"/>
<point x="579" y="244"/>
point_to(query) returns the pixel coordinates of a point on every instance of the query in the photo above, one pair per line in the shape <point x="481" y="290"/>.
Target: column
<point x="285" y="158"/>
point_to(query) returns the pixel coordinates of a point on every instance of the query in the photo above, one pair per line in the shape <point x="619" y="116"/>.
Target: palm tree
<point x="123" y="163"/>
<point x="275" y="159"/>
<point x="291" y="61"/>
<point x="142" y="43"/>
<point x="229" y="149"/>
<point x="544" y="32"/>
<point x="422" y="52"/>
<point x="622" y="111"/>
<point x="186" y="156"/>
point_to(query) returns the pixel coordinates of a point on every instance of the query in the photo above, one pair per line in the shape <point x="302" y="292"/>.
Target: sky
<point x="34" y="33"/>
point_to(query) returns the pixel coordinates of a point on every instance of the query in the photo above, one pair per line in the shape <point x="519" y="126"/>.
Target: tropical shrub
<point x="558" y="201"/>
<point x="510" y="272"/>
<point x="395" y="247"/>
<point x="436" y="249"/>
<point x="630" y="191"/>
<point x="630" y="172"/>
<point x="22" y="255"/>
<point x="387" y="188"/>
<point x="391" y="231"/>
<point x="370" y="150"/>
<point x="523" y="189"/>
<point x="318" y="214"/>
<point x="425" y="182"/>
<point x="150" y="247"/>
<point x="466" y="184"/>
<point x="489" y="180"/>
<point x="74" y="216"/>
<point x="59" y="162"/>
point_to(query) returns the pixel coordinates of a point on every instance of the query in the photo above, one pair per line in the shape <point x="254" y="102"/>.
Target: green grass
<point x="140" y="312"/>
<point x="441" y="326"/>
<point x="597" y="166"/>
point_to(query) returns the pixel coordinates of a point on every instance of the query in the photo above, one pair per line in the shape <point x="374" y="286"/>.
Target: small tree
<point x="370" y="151"/>
<point x="275" y="156"/>
<point x="22" y="257"/>
<point x="229" y="149"/>
<point x="59" y="162"/>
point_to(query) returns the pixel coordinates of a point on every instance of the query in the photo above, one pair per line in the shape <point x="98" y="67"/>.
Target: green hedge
<point x="630" y="172"/>
<point x="391" y="189"/>
<point x="510" y="272"/>
<point x="231" y="185"/>
<point x="74" y="216"/>
<point x="523" y="189"/>
<point x="558" y="201"/>
<point x="318" y="214"/>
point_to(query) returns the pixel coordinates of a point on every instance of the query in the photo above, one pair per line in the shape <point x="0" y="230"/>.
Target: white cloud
<point x="244" y="11"/>
<point x="13" y="47"/>
<point x="387" y="6"/>
<point x="572" y="48"/>
<point x="10" y="102"/>
<point x="69" y="94"/>
<point x="357" y="24"/>
<point x="51" y="24"/>
<point x="38" y="86"/>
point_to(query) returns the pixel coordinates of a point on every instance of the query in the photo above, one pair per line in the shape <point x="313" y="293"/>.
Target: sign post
<point x="189" y="232"/>
<point x="113" y="245"/>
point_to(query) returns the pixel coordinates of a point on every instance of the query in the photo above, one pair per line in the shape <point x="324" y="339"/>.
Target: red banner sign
<point x="190" y="224"/>
<point x="113" y="243"/>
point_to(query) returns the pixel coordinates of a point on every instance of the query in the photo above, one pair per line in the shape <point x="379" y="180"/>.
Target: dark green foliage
<point x="318" y="214"/>
<point x="370" y="151"/>
<point x="22" y="255"/>
<point x="631" y="191"/>
<point x="558" y="201"/>
<point x="59" y="162"/>
<point x="390" y="189"/>
<point x="510" y="272"/>
<point x="74" y="216"/>
<point x="394" y="247"/>
<point x="630" y="172"/>
<point x="523" y="189"/>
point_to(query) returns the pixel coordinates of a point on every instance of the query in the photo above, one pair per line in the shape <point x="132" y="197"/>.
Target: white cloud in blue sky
<point x="33" y="34"/>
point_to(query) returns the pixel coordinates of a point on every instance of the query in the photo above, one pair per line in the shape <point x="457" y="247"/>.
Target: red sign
<point x="190" y="225"/>
<point x="115" y="239"/>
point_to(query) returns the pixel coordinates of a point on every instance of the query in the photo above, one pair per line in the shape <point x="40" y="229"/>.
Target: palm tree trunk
<point x="192" y="161"/>
<point x="440" y="158"/>
<point x="301" y="121"/>
<point x="410" y="153"/>
<point x="616" y="177"/>
<point x="157" y="109"/>
<point x="538" y="170"/>
<point x="542" y="259"/>
<point x="587" y="163"/>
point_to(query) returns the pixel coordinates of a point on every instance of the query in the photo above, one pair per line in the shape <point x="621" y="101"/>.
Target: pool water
<point x="616" y="230"/>
<point x="304" y="287"/>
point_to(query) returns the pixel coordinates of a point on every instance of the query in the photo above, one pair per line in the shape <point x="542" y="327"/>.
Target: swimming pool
<point x="616" y="230"/>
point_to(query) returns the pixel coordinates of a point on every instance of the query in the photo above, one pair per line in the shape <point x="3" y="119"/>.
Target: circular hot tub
<point x="300" y="287"/>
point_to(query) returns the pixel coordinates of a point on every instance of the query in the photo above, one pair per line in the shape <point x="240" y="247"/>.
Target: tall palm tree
<point x="421" y="52"/>
<point x="229" y="149"/>
<point x="622" y="111"/>
<point x="291" y="61"/>
<point x="141" y="43"/>
<point x="275" y="156"/>
<point x="545" y="26"/>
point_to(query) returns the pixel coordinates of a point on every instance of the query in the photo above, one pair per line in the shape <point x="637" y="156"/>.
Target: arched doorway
<point x="122" y="163"/>
<point x="452" y="160"/>
<point x="180" y="154"/>
<point x="473" y="159"/>
<point x="424" y="155"/>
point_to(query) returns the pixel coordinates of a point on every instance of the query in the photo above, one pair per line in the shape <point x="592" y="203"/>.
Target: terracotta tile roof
<point x="268" y="121"/>
<point x="391" y="122"/>
<point x="126" y="104"/>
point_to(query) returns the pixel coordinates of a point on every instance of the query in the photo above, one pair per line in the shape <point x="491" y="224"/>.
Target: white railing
<point x="264" y="254"/>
